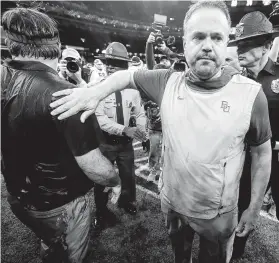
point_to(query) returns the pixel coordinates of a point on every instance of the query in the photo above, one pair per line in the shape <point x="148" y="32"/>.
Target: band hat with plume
<point x="116" y="51"/>
<point x="253" y="25"/>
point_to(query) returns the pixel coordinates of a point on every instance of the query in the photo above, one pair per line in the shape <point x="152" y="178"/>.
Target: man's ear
<point x="267" y="46"/>
<point x="184" y="41"/>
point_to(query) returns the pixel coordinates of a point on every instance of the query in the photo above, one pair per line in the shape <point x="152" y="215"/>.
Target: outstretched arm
<point x="88" y="99"/>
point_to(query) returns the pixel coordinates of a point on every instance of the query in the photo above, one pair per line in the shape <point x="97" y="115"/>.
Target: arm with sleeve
<point x="151" y="83"/>
<point x="106" y="123"/>
<point x="150" y="61"/>
<point x="258" y="137"/>
<point x="83" y="141"/>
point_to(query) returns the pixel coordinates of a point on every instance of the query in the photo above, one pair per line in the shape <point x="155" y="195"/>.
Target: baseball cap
<point x="136" y="61"/>
<point x="70" y="53"/>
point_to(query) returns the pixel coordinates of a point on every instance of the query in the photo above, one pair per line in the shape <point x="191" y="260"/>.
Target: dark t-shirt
<point x="153" y="83"/>
<point x="269" y="78"/>
<point x="38" y="150"/>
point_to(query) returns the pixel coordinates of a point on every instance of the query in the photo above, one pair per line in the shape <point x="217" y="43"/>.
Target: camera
<point x="160" y="23"/>
<point x="73" y="65"/>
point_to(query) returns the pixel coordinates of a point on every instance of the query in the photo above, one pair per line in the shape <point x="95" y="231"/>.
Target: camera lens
<point x="72" y="66"/>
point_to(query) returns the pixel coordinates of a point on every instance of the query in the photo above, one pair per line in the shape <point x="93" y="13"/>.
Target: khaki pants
<point x="216" y="236"/>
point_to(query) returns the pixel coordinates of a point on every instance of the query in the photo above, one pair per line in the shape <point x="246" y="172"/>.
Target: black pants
<point x="123" y="155"/>
<point x="245" y="190"/>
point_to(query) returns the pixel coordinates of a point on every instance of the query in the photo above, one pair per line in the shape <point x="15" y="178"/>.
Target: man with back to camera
<point x="113" y="115"/>
<point x="48" y="165"/>
<point x="254" y="36"/>
<point x="205" y="124"/>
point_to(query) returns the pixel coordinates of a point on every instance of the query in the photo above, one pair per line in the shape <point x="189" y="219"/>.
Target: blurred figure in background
<point x="136" y="63"/>
<point x="232" y="58"/>
<point x="98" y="72"/>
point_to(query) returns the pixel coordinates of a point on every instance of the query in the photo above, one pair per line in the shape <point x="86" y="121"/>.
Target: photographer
<point x="69" y="67"/>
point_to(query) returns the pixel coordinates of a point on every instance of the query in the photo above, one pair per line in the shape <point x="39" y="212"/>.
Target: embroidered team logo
<point x="110" y="50"/>
<point x="275" y="86"/>
<point x="239" y="29"/>
<point x="225" y="106"/>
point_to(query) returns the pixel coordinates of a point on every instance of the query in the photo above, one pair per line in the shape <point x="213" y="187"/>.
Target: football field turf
<point x="140" y="239"/>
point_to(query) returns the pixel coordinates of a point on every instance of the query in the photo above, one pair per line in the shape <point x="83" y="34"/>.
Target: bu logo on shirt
<point x="225" y="106"/>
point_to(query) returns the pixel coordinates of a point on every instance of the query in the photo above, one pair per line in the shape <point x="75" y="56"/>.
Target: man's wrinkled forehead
<point x="208" y="19"/>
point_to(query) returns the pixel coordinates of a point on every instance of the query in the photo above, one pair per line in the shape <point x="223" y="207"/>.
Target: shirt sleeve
<point x="81" y="137"/>
<point x="152" y="83"/>
<point x="259" y="131"/>
<point x="106" y="123"/>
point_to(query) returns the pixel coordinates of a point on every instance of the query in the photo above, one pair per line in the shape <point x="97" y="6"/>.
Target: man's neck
<point x="258" y="67"/>
<point x="52" y="63"/>
<point x="216" y="75"/>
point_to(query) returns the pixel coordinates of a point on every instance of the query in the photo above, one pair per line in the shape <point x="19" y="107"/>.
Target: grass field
<point x="134" y="239"/>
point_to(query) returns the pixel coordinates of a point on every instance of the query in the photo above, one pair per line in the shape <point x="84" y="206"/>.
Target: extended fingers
<point x="63" y="92"/>
<point x="62" y="107"/>
<point x="68" y="111"/>
<point x="85" y="115"/>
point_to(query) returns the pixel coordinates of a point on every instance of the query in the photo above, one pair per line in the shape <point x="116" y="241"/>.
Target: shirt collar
<point x="29" y="65"/>
<point x="270" y="67"/>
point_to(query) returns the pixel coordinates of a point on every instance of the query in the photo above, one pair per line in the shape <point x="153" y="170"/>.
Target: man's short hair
<point x="207" y="4"/>
<point x="31" y="33"/>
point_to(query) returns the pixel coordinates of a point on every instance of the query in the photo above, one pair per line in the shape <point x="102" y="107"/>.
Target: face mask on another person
<point x="205" y="42"/>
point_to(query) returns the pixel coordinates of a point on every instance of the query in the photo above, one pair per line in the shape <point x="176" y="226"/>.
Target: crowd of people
<point x="208" y="117"/>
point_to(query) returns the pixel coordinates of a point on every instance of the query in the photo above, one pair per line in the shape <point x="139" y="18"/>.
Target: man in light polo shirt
<point x="205" y="125"/>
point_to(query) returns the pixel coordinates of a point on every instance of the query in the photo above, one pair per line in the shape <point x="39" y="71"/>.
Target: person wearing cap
<point x="136" y="63"/>
<point x="254" y="36"/>
<point x="209" y="114"/>
<point x="49" y="166"/>
<point x="113" y="114"/>
<point x="73" y="76"/>
<point x="98" y="72"/>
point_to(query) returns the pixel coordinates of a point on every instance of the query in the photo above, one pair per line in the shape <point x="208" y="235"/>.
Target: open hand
<point x="247" y="223"/>
<point x="74" y="101"/>
<point x="135" y="133"/>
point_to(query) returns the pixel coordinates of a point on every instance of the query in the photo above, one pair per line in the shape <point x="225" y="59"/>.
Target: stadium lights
<point x="234" y="3"/>
<point x="266" y="2"/>
<point x="249" y="3"/>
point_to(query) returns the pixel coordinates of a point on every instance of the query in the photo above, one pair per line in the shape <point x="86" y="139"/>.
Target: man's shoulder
<point x="54" y="82"/>
<point x="242" y="80"/>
